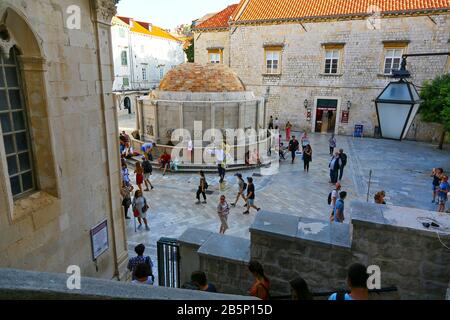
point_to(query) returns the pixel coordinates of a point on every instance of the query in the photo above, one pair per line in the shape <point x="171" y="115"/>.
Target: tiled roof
<point x="143" y="28"/>
<point x="194" y="77"/>
<point x="294" y="9"/>
<point x="219" y="20"/>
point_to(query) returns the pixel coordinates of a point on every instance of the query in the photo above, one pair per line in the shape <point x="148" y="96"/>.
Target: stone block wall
<point x="216" y="39"/>
<point x="360" y="79"/>
<point x="67" y="81"/>
<point x="411" y="257"/>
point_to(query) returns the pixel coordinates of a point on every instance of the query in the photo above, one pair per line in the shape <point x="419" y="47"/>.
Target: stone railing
<point x="23" y="285"/>
<point x="411" y="257"/>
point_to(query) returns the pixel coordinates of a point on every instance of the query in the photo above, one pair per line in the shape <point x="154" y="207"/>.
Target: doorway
<point x="127" y="104"/>
<point x="326" y="115"/>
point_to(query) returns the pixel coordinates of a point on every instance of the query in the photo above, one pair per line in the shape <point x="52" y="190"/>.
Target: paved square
<point x="402" y="169"/>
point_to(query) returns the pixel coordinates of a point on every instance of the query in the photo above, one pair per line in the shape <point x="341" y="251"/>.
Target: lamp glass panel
<point x="415" y="94"/>
<point x="392" y="119"/>
<point x="396" y="91"/>
<point x="411" y="119"/>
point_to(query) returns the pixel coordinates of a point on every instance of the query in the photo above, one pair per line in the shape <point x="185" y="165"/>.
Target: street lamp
<point x="349" y="105"/>
<point x="398" y="103"/>
<point x="305" y="103"/>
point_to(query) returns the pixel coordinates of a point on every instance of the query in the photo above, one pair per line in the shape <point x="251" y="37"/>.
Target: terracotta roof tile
<point x="292" y="9"/>
<point x="219" y="20"/>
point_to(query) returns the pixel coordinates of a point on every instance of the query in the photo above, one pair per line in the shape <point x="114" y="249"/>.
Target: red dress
<point x="139" y="178"/>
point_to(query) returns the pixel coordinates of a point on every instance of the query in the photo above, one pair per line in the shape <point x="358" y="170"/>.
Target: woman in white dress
<point x="140" y="208"/>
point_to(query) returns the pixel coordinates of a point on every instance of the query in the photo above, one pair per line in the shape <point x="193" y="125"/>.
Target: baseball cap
<point x="238" y="175"/>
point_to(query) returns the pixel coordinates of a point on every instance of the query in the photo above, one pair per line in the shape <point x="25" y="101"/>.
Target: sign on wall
<point x="344" y="118"/>
<point x="99" y="239"/>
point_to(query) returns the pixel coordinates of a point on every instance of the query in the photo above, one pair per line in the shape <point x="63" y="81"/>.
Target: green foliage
<point x="190" y="52"/>
<point x="436" y="101"/>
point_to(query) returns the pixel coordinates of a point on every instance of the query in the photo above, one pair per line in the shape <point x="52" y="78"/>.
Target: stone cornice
<point x="105" y="9"/>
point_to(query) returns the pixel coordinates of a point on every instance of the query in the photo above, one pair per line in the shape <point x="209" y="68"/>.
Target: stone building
<point x="143" y="53"/>
<point x="211" y="94"/>
<point x="321" y="66"/>
<point x="59" y="159"/>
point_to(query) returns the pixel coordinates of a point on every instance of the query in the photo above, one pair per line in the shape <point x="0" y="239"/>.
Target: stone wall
<point x="360" y="79"/>
<point x="410" y="257"/>
<point x="67" y="79"/>
<point x="215" y="39"/>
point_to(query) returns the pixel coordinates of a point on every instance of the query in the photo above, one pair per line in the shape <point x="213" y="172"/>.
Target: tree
<point x="435" y="106"/>
<point x="190" y="52"/>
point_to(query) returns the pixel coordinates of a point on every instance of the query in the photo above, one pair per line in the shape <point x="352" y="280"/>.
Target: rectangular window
<point x="392" y="59"/>
<point x="124" y="57"/>
<point x="332" y="61"/>
<point x="122" y="32"/>
<point x="125" y="82"/>
<point x="161" y="73"/>
<point x="144" y="74"/>
<point x="14" y="126"/>
<point x="215" y="56"/>
<point x="273" y="61"/>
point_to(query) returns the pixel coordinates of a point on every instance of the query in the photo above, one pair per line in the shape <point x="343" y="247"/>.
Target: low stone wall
<point x="411" y="257"/>
<point x="25" y="285"/>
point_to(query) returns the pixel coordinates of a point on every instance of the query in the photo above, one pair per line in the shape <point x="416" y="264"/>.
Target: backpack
<point x="244" y="187"/>
<point x="329" y="197"/>
<point x="206" y="184"/>
<point x="147" y="166"/>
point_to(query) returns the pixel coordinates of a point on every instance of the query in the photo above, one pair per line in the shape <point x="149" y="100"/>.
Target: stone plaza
<point x="401" y="169"/>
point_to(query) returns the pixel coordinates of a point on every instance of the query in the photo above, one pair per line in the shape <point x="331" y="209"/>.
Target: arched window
<point x="15" y="128"/>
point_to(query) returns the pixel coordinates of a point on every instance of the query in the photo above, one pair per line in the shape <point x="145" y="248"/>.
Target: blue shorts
<point x="251" y="202"/>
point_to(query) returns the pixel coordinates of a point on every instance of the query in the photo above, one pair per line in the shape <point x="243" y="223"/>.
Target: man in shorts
<point x="250" y="196"/>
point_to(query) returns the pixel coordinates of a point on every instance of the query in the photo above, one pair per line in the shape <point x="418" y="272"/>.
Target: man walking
<point x="220" y="160"/>
<point x="334" y="165"/>
<point x="148" y="169"/>
<point x="333" y="196"/>
<point x="250" y="196"/>
<point x="339" y="208"/>
<point x="343" y="158"/>
<point x="293" y="147"/>
<point x="271" y="123"/>
<point x="242" y="188"/>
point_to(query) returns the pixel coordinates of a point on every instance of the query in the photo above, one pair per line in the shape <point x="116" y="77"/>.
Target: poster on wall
<point x="99" y="239"/>
<point x="344" y="118"/>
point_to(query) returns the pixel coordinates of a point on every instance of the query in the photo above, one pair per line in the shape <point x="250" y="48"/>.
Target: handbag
<point x="135" y="212"/>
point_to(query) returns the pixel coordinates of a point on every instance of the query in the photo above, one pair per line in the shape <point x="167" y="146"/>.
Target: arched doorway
<point x="127" y="104"/>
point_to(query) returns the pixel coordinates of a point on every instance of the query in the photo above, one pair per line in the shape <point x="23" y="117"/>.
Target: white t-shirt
<point x="334" y="194"/>
<point x="219" y="156"/>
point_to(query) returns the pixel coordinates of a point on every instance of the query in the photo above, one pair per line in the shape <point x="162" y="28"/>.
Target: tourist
<point x="307" y="157"/>
<point x="164" y="160"/>
<point x="125" y="192"/>
<point x="379" y="197"/>
<point x="339" y="208"/>
<point x="148" y="169"/>
<point x="293" y="147"/>
<point x="220" y="160"/>
<point x="271" y="123"/>
<point x="277" y="123"/>
<point x="334" y="165"/>
<point x="139" y="172"/>
<point x="198" y="278"/>
<point x="282" y="151"/>
<point x="125" y="174"/>
<point x="304" y="140"/>
<point x="223" y="210"/>
<point x="147" y="150"/>
<point x="142" y="274"/>
<point x="288" y="128"/>
<point x="250" y="199"/>
<point x="242" y="188"/>
<point x="333" y="196"/>
<point x="139" y="259"/>
<point x="332" y="144"/>
<point x="261" y="285"/>
<point x="357" y="282"/>
<point x="437" y="175"/>
<point x="300" y="290"/>
<point x="202" y="188"/>
<point x="444" y="189"/>
<point x="140" y="208"/>
<point x="344" y="158"/>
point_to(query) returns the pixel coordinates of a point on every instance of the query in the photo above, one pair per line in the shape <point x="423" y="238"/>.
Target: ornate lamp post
<point x="398" y="103"/>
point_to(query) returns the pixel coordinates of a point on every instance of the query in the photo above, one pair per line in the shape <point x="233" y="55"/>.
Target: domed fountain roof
<point x="194" y="77"/>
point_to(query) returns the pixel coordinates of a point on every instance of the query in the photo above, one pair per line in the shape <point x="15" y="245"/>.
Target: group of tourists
<point x="440" y="188"/>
